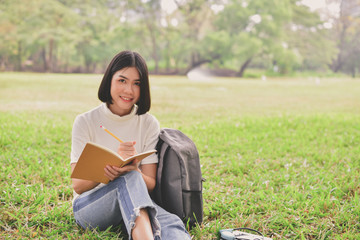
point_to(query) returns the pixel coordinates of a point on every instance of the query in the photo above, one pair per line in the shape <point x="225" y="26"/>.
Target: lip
<point x="126" y="99"/>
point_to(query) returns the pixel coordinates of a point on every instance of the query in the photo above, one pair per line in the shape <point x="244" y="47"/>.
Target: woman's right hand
<point x="125" y="150"/>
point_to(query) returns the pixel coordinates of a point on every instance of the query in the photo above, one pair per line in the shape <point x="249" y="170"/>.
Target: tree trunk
<point x="243" y="67"/>
<point x="338" y="62"/>
<point x="196" y="62"/>
<point x="156" y="58"/>
<point x="154" y="51"/>
<point x="3" y="62"/>
<point x="353" y="72"/>
<point x="43" y="54"/>
<point x="19" y="57"/>
<point x="50" y="58"/>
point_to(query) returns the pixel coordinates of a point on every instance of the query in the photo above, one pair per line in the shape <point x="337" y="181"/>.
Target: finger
<point x="127" y="144"/>
<point x="135" y="161"/>
<point x="126" y="148"/>
<point x="126" y="151"/>
<point x="109" y="176"/>
<point x="120" y="171"/>
<point x="110" y="172"/>
<point x="128" y="168"/>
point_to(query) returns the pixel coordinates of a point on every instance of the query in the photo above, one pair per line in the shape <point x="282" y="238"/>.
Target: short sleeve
<point x="80" y="136"/>
<point x="151" y="138"/>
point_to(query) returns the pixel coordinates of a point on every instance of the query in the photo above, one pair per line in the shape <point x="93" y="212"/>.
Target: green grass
<point x="281" y="156"/>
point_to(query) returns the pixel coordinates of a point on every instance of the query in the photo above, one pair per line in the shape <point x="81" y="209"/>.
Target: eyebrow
<point x="122" y="76"/>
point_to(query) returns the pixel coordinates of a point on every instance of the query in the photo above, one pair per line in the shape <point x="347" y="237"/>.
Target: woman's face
<point x="125" y="90"/>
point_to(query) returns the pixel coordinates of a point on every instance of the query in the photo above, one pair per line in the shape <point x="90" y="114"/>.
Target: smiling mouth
<point x="126" y="99"/>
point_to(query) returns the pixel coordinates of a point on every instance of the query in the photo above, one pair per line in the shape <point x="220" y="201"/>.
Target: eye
<point x="137" y="83"/>
<point x="121" y="80"/>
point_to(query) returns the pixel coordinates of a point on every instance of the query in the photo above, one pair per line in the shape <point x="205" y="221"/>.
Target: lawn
<point x="281" y="156"/>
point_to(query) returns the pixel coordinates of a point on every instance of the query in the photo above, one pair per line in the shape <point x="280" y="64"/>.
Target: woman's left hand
<point x="113" y="172"/>
<point x="125" y="150"/>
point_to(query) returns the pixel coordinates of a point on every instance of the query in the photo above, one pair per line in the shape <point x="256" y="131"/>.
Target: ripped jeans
<point x="121" y="200"/>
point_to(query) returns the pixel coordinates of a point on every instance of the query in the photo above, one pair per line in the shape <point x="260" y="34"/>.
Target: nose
<point x="129" y="88"/>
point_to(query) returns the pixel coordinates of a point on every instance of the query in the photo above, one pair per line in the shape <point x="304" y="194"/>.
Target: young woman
<point x="125" y="94"/>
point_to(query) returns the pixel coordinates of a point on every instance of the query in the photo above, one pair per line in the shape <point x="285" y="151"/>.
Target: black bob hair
<point x="122" y="60"/>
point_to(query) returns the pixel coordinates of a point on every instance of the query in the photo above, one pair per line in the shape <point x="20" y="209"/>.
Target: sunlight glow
<point x="169" y="6"/>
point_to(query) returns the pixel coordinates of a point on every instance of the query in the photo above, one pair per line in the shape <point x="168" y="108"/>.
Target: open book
<point x="94" y="158"/>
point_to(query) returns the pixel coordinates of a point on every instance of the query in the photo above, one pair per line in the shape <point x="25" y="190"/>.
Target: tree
<point x="195" y="17"/>
<point x="308" y="38"/>
<point x="347" y="37"/>
<point x="97" y="24"/>
<point x="149" y="15"/>
<point x="259" y="29"/>
<point x="35" y="31"/>
<point x="13" y="32"/>
<point x="82" y="35"/>
<point x="52" y="26"/>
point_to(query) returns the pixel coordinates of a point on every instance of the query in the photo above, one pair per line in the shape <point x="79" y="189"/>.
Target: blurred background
<point x="242" y="38"/>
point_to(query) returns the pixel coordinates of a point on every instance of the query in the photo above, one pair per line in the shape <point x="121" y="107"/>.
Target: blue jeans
<point x="121" y="200"/>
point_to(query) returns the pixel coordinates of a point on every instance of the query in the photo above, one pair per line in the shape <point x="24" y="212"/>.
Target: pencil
<point x="111" y="134"/>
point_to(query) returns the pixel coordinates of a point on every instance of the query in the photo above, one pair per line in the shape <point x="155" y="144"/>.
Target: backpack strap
<point x="162" y="147"/>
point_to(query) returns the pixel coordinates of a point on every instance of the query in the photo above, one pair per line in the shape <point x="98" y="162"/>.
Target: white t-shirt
<point x="144" y="129"/>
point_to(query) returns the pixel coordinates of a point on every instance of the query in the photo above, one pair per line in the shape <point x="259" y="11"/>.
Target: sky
<point x="314" y="4"/>
<point x="334" y="8"/>
<point x="169" y="5"/>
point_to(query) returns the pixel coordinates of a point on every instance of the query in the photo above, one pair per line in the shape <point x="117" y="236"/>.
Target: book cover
<point x="94" y="158"/>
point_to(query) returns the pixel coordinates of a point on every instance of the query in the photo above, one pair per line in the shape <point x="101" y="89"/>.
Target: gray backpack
<point x="179" y="182"/>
